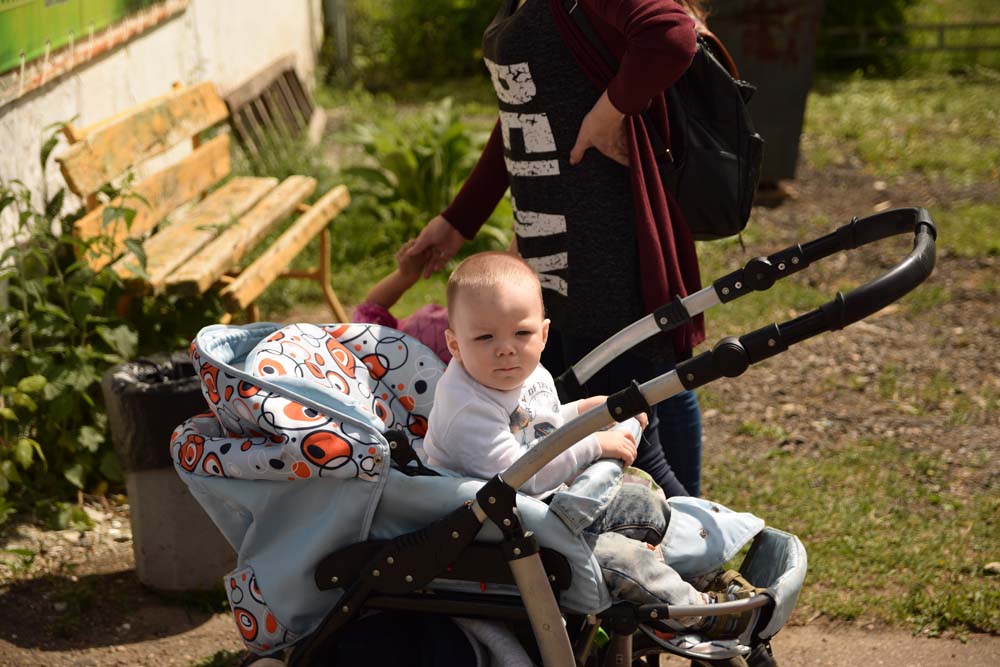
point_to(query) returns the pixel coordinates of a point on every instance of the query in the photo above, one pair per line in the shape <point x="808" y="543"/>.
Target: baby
<point x="495" y="399"/>
<point x="495" y="402"/>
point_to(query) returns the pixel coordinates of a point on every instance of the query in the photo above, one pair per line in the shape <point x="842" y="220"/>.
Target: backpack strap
<point x="718" y="50"/>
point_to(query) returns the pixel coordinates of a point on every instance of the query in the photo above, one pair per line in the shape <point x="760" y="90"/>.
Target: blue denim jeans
<point x="670" y="450"/>
<point x="632" y="570"/>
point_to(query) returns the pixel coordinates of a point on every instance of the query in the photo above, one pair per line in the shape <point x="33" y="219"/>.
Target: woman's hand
<point x="603" y="128"/>
<point x="439" y="241"/>
<point x="617" y="445"/>
<point x="411" y="264"/>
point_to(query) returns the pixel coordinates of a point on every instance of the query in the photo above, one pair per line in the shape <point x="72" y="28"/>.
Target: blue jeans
<point x="632" y="571"/>
<point x="670" y="450"/>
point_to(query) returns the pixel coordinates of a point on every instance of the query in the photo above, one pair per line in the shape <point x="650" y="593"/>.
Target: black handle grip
<point x="732" y="356"/>
<point x="761" y="273"/>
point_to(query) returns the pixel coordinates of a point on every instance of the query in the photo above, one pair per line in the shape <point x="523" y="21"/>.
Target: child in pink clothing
<point x="427" y="324"/>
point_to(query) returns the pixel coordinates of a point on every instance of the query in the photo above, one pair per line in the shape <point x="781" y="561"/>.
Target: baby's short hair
<point x="490" y="269"/>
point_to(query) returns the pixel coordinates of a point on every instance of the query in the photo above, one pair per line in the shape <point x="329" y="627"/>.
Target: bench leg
<point x="336" y="308"/>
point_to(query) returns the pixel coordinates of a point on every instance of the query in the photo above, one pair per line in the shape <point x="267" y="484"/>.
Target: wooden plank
<point x="205" y="268"/>
<point x="138" y="134"/>
<point x="171" y="246"/>
<point x="258" y="82"/>
<point x="317" y="126"/>
<point x="164" y="191"/>
<point x="256" y="277"/>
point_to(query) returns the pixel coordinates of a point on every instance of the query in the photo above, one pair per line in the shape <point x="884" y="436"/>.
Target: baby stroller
<point x="309" y="464"/>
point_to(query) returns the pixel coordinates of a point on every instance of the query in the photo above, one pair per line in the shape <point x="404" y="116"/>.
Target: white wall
<point x="223" y="41"/>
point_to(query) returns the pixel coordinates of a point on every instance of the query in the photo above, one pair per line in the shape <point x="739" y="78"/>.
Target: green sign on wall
<point x="28" y="26"/>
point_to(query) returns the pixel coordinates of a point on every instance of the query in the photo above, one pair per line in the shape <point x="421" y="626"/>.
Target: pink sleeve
<point x="654" y="41"/>
<point x="373" y="313"/>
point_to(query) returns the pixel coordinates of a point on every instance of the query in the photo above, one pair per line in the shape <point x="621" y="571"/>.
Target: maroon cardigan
<point x="654" y="42"/>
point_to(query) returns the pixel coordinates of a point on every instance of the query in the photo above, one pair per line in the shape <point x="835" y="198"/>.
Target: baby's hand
<point x="409" y="265"/>
<point x="617" y="445"/>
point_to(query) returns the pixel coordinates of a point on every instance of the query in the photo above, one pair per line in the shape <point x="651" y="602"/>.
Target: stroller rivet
<point x="739" y="285"/>
<point x="663" y="320"/>
<point x="392" y="444"/>
<point x="454" y="534"/>
<point x="781" y="267"/>
<point x="654" y="614"/>
<point x="618" y="411"/>
<point x="390" y="560"/>
<point x="690" y="376"/>
<point x="334" y="580"/>
<point x="408" y="578"/>
<point x="375" y="573"/>
<point x="771" y="342"/>
<point x="552" y="577"/>
<point x="506" y="522"/>
<point x="795" y="260"/>
<point x="345" y="609"/>
<point x="725" y="290"/>
<point x="703" y="533"/>
<point x="517" y="551"/>
<point x="493" y="500"/>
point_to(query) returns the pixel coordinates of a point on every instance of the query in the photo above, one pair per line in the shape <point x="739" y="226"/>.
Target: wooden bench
<point x="193" y="239"/>
<point x="271" y="112"/>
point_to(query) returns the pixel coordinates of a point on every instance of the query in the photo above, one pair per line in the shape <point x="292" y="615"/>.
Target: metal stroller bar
<point x="759" y="274"/>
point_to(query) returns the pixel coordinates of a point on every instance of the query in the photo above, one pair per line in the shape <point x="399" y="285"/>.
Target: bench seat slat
<point x="171" y="246"/>
<point x="164" y="191"/>
<point x="202" y="270"/>
<point x="262" y="272"/>
<point x="113" y="146"/>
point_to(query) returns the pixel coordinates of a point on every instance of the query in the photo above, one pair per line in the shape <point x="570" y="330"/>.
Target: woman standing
<point x="591" y="213"/>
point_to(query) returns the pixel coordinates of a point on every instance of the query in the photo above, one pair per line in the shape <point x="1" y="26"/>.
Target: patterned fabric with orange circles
<point x="255" y="433"/>
<point x="259" y="629"/>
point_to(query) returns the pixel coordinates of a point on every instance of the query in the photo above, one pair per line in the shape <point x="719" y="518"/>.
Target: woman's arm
<point x="654" y="41"/>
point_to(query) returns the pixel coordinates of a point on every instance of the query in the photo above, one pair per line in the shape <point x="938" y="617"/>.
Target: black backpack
<point x="715" y="154"/>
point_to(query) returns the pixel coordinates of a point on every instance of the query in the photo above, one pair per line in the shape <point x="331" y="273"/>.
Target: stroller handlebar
<point x="731" y="356"/>
<point x="760" y="274"/>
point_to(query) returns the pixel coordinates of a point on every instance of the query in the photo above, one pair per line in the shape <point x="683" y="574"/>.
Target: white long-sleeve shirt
<point x="477" y="431"/>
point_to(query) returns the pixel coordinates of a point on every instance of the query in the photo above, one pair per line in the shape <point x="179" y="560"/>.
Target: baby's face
<point x="498" y="334"/>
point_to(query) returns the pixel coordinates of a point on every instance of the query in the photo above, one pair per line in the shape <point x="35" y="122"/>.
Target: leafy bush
<point x="65" y="325"/>
<point x="412" y="172"/>
<point x="395" y="41"/>
<point x="874" y="15"/>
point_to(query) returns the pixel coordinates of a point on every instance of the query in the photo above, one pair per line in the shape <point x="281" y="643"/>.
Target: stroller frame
<point x="409" y="562"/>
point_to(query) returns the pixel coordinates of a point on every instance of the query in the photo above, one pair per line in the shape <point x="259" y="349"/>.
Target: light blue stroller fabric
<point x="292" y="465"/>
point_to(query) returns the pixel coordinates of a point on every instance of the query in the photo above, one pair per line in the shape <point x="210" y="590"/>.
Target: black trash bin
<point x="774" y="45"/>
<point x="176" y="545"/>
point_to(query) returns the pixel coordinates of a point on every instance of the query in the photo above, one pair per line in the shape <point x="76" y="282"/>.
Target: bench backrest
<point x="107" y="150"/>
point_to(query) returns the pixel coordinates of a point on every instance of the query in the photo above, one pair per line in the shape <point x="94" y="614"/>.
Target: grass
<point x="941" y="126"/>
<point x="886" y="538"/>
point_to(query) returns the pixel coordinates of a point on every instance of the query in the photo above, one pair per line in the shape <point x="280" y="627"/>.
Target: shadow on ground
<point x="62" y="612"/>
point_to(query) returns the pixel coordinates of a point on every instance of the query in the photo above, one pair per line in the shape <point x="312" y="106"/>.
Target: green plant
<point x="880" y="16"/>
<point x="65" y="325"/>
<point x="412" y="170"/>
<point x="395" y="41"/>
